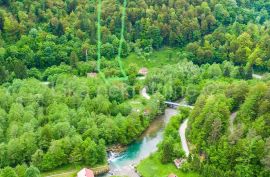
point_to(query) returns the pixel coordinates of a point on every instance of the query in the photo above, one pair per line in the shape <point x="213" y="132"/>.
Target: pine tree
<point x="73" y="59"/>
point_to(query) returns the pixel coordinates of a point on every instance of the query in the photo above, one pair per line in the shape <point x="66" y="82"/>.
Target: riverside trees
<point x="221" y="144"/>
<point x="72" y="122"/>
<point x="59" y="124"/>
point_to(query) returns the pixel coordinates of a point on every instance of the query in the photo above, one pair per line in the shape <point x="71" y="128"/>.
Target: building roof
<point x="143" y="71"/>
<point x="91" y="75"/>
<point x="179" y="162"/>
<point x="85" y="172"/>
<point x="172" y="175"/>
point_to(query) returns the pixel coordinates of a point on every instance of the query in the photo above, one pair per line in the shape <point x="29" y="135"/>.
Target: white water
<point x="123" y="164"/>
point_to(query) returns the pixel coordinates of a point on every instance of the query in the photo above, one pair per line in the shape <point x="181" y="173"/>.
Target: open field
<point x="152" y="167"/>
<point x="156" y="59"/>
<point x="70" y="171"/>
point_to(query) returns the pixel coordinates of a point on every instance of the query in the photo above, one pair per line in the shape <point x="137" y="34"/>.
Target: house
<point x="143" y="71"/>
<point x="179" y="162"/>
<point x="85" y="173"/>
<point x="147" y="112"/>
<point x="91" y="75"/>
<point x="172" y="175"/>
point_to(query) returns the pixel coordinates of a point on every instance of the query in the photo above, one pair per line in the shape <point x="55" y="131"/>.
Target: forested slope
<point x="228" y="129"/>
<point x="71" y="119"/>
<point x="226" y="146"/>
<point x="43" y="33"/>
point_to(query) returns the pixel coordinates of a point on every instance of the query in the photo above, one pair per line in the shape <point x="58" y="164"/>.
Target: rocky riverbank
<point x="118" y="148"/>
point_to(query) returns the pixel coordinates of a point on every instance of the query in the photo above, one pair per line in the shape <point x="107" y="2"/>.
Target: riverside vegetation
<point x="205" y="51"/>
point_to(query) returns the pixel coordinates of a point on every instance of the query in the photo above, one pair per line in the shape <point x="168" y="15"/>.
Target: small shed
<point x="85" y="172"/>
<point x="179" y="162"/>
<point x="143" y="71"/>
<point x="91" y="75"/>
<point x="172" y="175"/>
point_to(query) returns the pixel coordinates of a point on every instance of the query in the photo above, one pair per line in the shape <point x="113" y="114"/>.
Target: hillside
<point x="70" y="87"/>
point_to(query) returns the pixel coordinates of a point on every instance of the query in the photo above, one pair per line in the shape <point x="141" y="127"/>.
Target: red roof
<point x="89" y="173"/>
<point x="172" y="175"/>
<point x="143" y="71"/>
<point x="91" y="75"/>
<point x="85" y="173"/>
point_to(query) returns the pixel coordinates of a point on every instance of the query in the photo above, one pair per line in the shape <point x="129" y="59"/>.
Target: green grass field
<point x="70" y="171"/>
<point x="156" y="59"/>
<point x="152" y="167"/>
<point x="67" y="171"/>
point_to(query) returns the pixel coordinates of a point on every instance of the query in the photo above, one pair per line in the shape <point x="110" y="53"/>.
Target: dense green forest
<point x="70" y="123"/>
<point x="228" y="128"/>
<point x="40" y="34"/>
<point x="52" y="115"/>
<point x="229" y="145"/>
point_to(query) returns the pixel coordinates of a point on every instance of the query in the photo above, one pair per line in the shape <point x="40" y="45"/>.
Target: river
<point x="123" y="165"/>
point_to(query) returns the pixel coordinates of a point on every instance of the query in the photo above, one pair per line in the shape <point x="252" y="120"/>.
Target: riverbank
<point x="123" y="165"/>
<point x="153" y="164"/>
<point x="117" y="148"/>
<point x="152" y="167"/>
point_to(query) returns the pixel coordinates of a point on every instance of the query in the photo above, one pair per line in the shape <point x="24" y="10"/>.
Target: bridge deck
<point x="172" y="103"/>
<point x="177" y="104"/>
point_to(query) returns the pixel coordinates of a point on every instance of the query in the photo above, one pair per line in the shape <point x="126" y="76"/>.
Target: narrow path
<point x="182" y="130"/>
<point x="62" y="174"/>
<point x="182" y="133"/>
<point x="124" y="171"/>
<point x="145" y="94"/>
<point x="257" y="76"/>
<point x="232" y="118"/>
<point x="183" y="127"/>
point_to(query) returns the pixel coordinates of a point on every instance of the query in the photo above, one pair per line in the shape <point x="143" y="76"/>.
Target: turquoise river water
<point x="123" y="164"/>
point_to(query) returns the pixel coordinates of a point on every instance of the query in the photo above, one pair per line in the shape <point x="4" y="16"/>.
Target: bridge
<point x="169" y="103"/>
<point x="175" y="105"/>
<point x="172" y="104"/>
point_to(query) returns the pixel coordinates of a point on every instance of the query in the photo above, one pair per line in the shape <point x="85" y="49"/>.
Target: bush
<point x="186" y="167"/>
<point x="32" y="172"/>
<point x="34" y="72"/>
<point x="8" y="172"/>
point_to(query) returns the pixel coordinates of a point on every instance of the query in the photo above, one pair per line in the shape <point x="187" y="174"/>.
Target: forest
<point x="228" y="129"/>
<point x="45" y="33"/>
<point x="229" y="145"/>
<point x="53" y="115"/>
